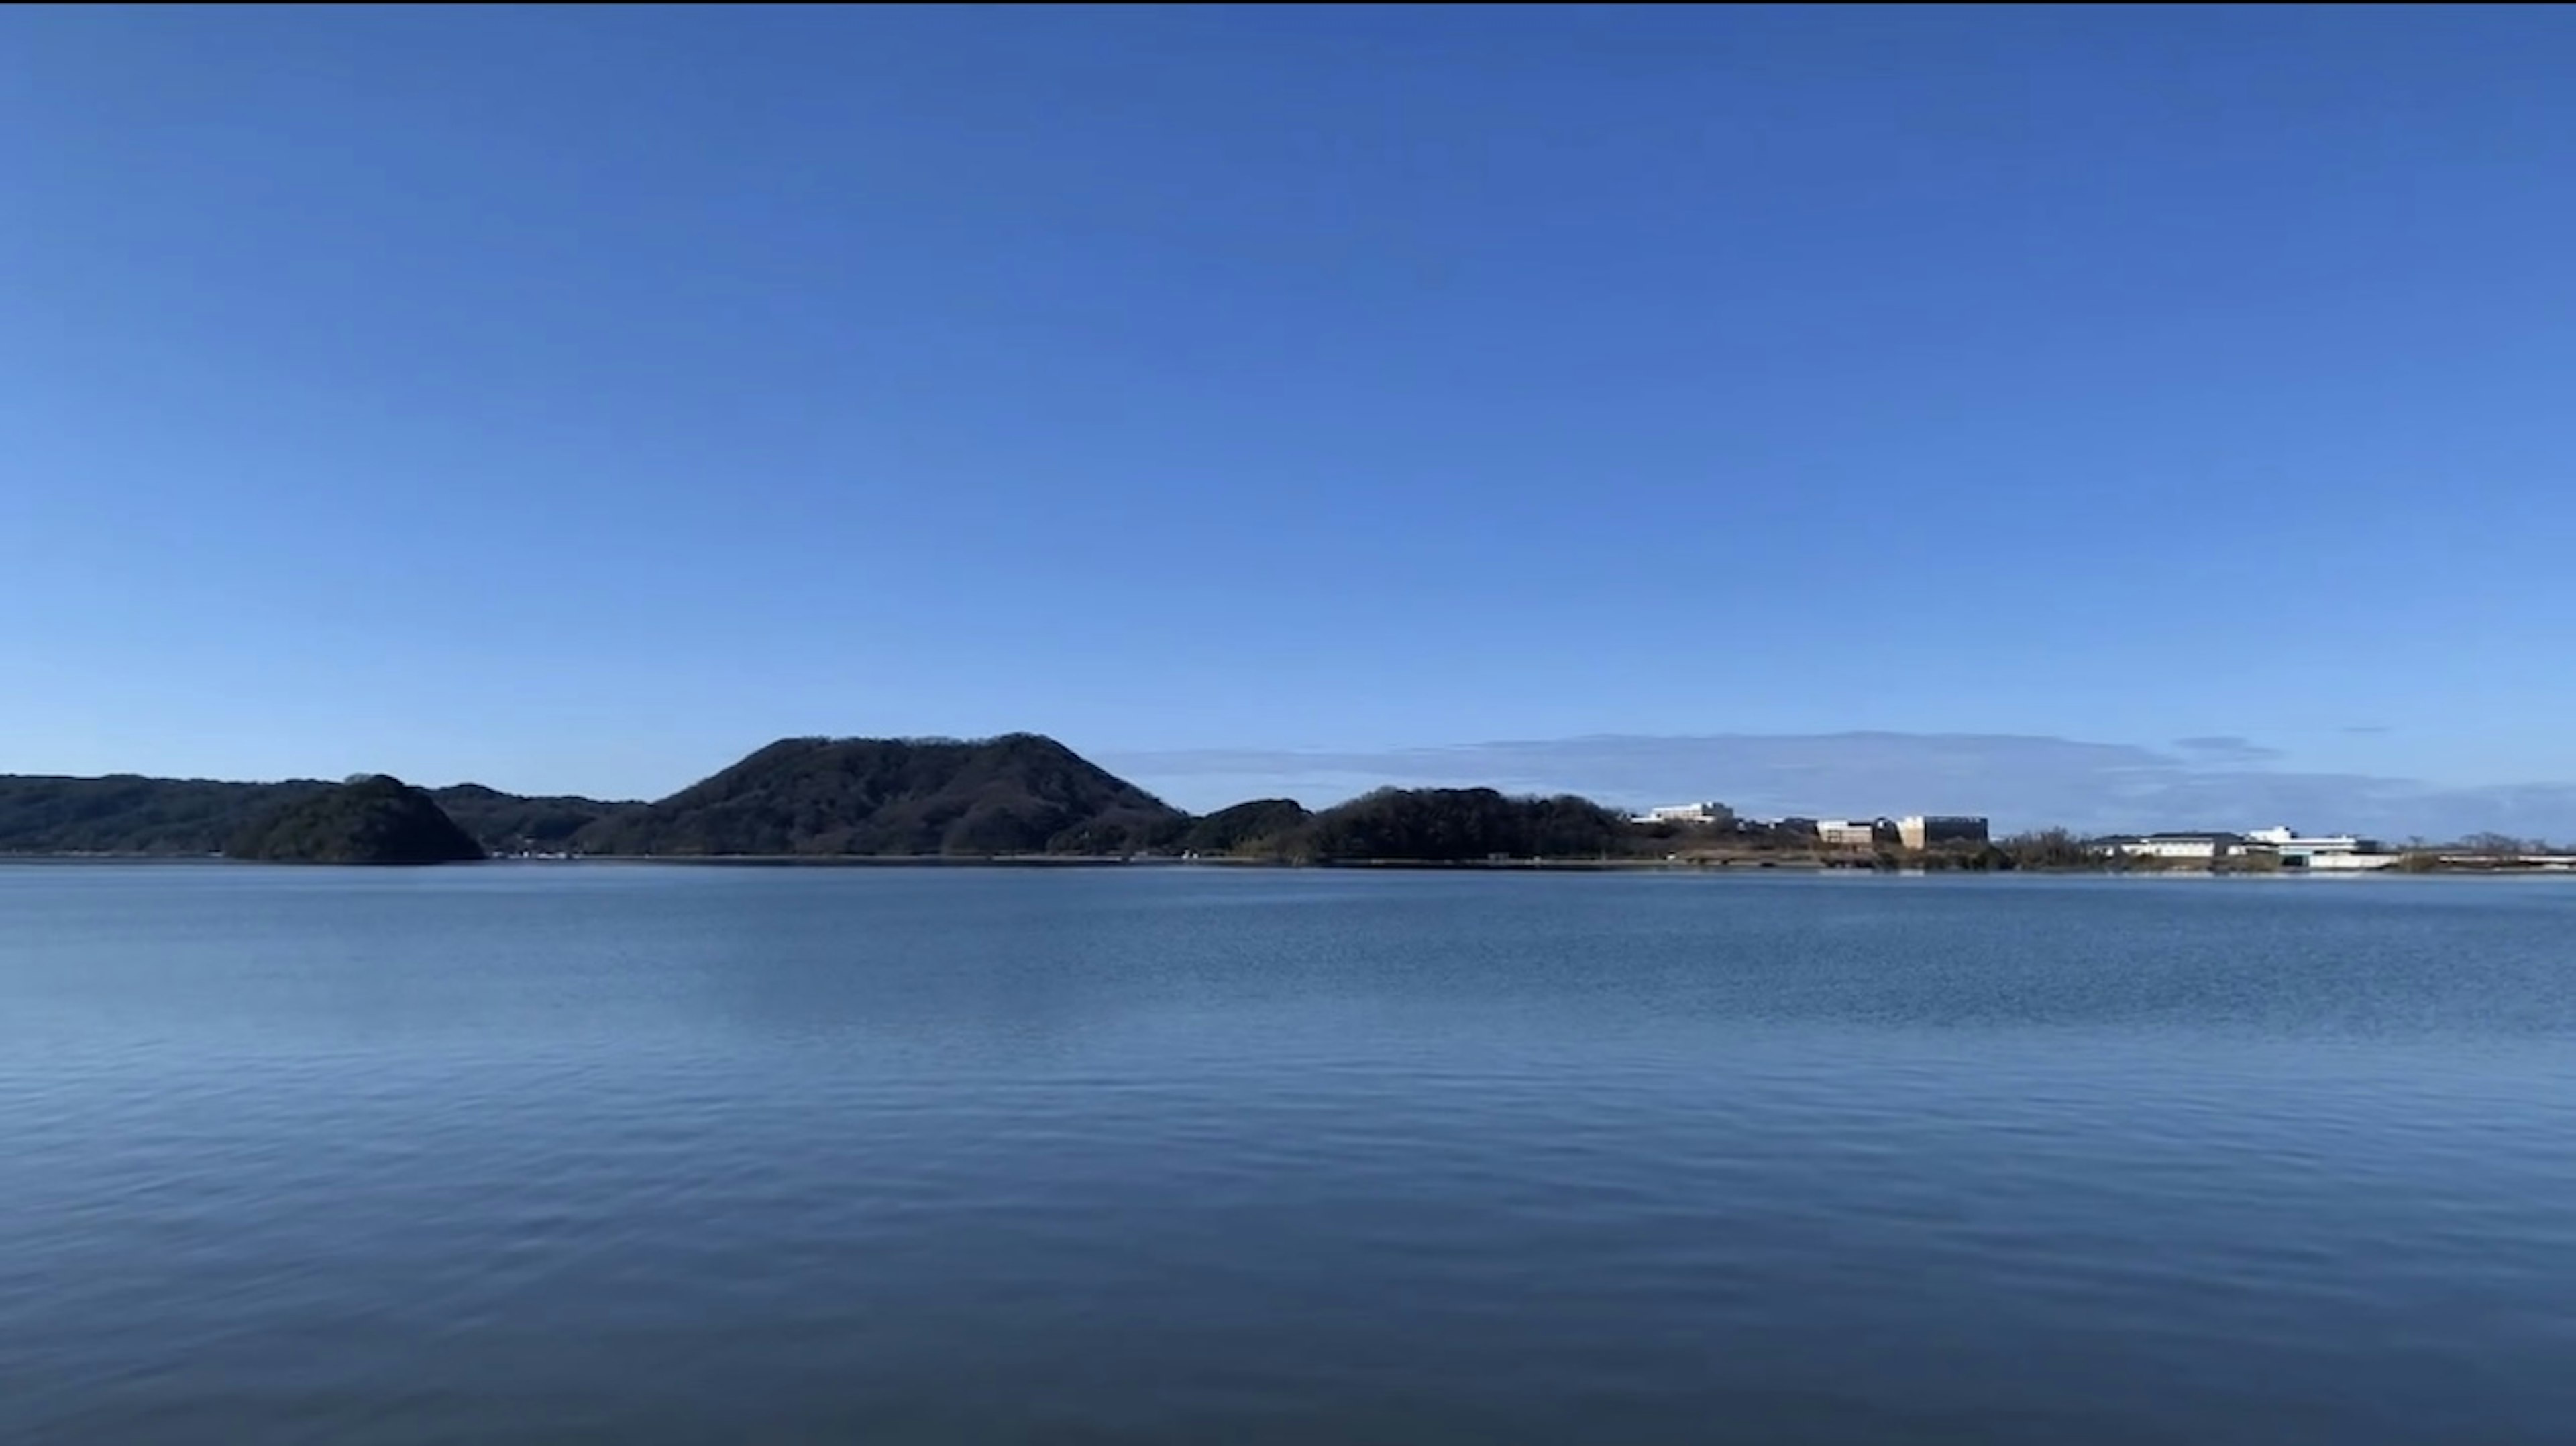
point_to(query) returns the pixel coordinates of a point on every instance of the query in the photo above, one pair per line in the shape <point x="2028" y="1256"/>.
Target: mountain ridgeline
<point x="1017" y="795"/>
<point x="372" y="820"/>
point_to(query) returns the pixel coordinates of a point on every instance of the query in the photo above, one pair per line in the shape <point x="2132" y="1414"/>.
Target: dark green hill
<point x="125" y="814"/>
<point x="1460" y="825"/>
<point x="373" y="820"/>
<point x="507" y="823"/>
<point x="1017" y="794"/>
<point x="1263" y="827"/>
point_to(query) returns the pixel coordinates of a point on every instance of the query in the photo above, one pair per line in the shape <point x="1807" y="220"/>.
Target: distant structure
<point x="2211" y="846"/>
<point x="2293" y="850"/>
<point x="1914" y="832"/>
<point x="1712" y="812"/>
<point x="1922" y="831"/>
<point x="1855" y="833"/>
<point x="2339" y="851"/>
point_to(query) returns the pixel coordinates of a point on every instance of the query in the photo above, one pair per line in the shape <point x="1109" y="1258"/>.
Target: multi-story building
<point x="1922" y="831"/>
<point x="1856" y="833"/>
<point x="1687" y="813"/>
<point x="2287" y="841"/>
<point x="2337" y="851"/>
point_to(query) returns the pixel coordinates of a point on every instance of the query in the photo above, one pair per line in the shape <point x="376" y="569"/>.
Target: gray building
<point x="1925" y="831"/>
<point x="1854" y="833"/>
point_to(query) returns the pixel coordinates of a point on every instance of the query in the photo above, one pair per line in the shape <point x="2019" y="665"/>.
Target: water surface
<point x="566" y="1153"/>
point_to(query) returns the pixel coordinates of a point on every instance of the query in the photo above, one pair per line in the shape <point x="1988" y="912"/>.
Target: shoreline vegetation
<point x="1896" y="864"/>
<point x="1017" y="800"/>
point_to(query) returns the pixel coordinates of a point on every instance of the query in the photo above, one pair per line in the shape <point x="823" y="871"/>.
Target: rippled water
<point x="645" y="1155"/>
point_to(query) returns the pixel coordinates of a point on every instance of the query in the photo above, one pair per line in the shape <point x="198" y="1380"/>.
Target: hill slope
<point x="125" y="814"/>
<point x="1016" y="794"/>
<point x="1458" y="825"/>
<point x="374" y="820"/>
<point x="1264" y="826"/>
<point x="507" y="823"/>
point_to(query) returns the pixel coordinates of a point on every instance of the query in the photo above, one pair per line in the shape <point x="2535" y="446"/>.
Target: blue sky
<point x="574" y="400"/>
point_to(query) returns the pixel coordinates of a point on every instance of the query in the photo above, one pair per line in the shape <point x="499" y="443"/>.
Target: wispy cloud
<point x="2226" y="748"/>
<point x="2020" y="781"/>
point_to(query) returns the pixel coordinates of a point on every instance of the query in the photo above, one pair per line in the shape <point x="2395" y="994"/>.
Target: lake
<point x="642" y="1154"/>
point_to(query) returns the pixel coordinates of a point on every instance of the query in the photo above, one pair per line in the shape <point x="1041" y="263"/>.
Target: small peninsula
<point x="377" y="819"/>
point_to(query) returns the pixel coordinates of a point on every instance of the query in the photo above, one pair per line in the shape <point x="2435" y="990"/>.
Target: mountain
<point x="374" y="820"/>
<point x="1017" y="794"/>
<point x="507" y="823"/>
<point x="178" y="817"/>
<point x="124" y="814"/>
<point x="800" y="796"/>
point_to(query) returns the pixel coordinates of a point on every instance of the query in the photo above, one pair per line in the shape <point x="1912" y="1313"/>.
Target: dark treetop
<point x="1016" y="794"/>
<point x="373" y="820"/>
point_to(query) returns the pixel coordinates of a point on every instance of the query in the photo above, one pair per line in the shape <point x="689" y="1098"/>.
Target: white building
<point x="2294" y="850"/>
<point x="2336" y="851"/>
<point x="1687" y="813"/>
<point x="2288" y="841"/>
<point x="2323" y="863"/>
<point x="2209" y="846"/>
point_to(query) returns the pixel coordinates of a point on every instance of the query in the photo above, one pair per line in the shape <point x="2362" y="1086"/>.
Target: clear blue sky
<point x="575" y="399"/>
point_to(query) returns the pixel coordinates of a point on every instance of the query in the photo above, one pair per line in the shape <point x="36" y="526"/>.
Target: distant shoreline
<point x="1737" y="865"/>
<point x="1023" y="800"/>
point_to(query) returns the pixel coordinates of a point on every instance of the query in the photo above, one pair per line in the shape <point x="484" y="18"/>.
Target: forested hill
<point x="507" y="823"/>
<point x="374" y="820"/>
<point x="181" y="817"/>
<point x="124" y="814"/>
<point x="1457" y="825"/>
<point x="874" y="797"/>
<point x="1018" y="794"/>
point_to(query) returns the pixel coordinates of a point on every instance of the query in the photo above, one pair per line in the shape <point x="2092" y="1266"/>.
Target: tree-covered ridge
<point x="1265" y="826"/>
<point x="1460" y="825"/>
<point x="507" y="823"/>
<point x="126" y="814"/>
<point x="1021" y="794"/>
<point x="185" y="817"/>
<point x="378" y="819"/>
<point x="1017" y="794"/>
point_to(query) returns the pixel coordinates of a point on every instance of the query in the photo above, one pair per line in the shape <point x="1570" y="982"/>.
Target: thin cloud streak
<point x="2227" y="748"/>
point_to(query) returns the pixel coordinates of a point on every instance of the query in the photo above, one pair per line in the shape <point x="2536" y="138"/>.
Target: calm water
<point x="646" y="1155"/>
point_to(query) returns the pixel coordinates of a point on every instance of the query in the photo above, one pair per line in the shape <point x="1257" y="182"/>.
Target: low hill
<point x="177" y="817"/>
<point x="1461" y="825"/>
<point x="1263" y="827"/>
<point x="373" y="820"/>
<point x="125" y="814"/>
<point x="1017" y="794"/>
<point x="507" y="823"/>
